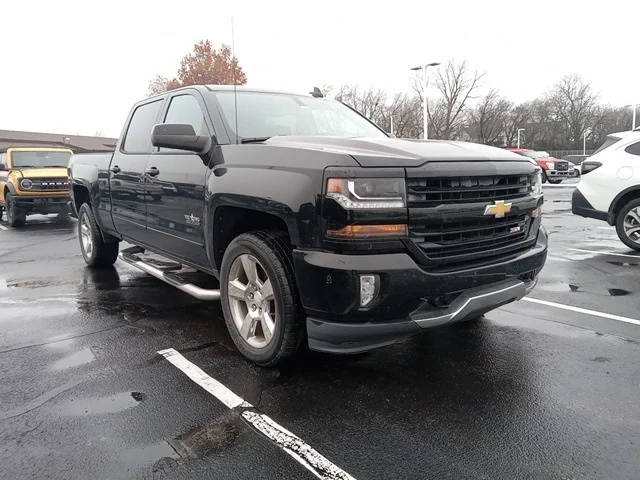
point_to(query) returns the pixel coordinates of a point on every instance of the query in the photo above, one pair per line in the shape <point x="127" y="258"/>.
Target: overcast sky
<point x="77" y="67"/>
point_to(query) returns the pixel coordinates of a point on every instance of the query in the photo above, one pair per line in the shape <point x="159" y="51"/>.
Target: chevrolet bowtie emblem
<point x="498" y="209"/>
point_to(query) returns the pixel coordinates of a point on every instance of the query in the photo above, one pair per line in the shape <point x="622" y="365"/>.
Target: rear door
<point x="175" y="182"/>
<point x="126" y="178"/>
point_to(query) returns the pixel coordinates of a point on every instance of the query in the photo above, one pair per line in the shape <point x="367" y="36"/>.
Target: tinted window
<point x="138" y="138"/>
<point x="185" y="109"/>
<point x="633" y="149"/>
<point x="610" y="140"/>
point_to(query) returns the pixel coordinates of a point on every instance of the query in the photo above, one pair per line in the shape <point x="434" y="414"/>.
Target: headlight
<point x="357" y="193"/>
<point x="551" y="165"/>
<point x="536" y="187"/>
<point x="26" y="184"/>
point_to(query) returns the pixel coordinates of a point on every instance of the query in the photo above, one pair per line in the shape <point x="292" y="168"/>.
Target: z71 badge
<point x="191" y="219"/>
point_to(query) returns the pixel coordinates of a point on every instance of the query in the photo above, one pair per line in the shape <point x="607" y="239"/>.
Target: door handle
<point x="115" y="169"/>
<point x="152" y="172"/>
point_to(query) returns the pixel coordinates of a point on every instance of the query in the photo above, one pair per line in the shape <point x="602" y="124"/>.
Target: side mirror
<point x="3" y="166"/>
<point x="179" y="136"/>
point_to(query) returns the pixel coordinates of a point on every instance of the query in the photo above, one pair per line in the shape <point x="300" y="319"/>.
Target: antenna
<point x="233" y="67"/>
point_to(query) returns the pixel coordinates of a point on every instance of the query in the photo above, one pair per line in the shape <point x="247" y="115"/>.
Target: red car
<point x="553" y="169"/>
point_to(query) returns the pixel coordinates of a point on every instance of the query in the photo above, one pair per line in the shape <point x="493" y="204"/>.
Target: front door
<point x="175" y="182"/>
<point x="126" y="176"/>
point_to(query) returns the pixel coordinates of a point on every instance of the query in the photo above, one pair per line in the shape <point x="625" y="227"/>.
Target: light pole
<point x="633" y="116"/>
<point x="424" y="103"/>
<point x="519" y="130"/>
<point x="584" y="143"/>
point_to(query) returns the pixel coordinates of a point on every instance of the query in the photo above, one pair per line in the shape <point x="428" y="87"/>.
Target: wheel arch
<point x="231" y="221"/>
<point x="621" y="199"/>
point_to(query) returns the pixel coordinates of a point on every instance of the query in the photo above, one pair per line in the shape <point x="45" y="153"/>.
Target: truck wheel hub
<point x="251" y="301"/>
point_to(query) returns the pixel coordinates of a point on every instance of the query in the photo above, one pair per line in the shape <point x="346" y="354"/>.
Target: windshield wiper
<point x="254" y="139"/>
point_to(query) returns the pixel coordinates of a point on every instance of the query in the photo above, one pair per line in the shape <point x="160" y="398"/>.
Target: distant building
<point x="77" y="143"/>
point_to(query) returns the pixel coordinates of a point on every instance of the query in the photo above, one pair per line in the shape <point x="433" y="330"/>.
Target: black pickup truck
<point x="319" y="227"/>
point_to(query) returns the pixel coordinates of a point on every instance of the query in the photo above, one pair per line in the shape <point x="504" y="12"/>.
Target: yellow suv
<point x="33" y="180"/>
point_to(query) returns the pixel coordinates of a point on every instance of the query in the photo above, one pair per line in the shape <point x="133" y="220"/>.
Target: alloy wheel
<point x="85" y="236"/>
<point x="631" y="224"/>
<point x="252" y="301"/>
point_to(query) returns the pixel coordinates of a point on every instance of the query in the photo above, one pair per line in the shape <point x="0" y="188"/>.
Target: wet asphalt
<point x="529" y="391"/>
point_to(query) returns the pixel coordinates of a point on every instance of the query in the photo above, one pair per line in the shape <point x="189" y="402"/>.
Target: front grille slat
<point x="55" y="183"/>
<point x="429" y="192"/>
<point x="449" y="240"/>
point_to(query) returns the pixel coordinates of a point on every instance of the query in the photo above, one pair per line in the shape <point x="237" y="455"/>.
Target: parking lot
<point x="547" y="387"/>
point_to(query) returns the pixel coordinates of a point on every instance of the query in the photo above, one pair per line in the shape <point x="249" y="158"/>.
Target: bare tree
<point x="575" y="105"/>
<point x="515" y="119"/>
<point x="457" y="85"/>
<point x="486" y="121"/>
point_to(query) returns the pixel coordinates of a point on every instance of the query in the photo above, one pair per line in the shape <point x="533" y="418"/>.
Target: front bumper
<point x="43" y="203"/>
<point x="410" y="298"/>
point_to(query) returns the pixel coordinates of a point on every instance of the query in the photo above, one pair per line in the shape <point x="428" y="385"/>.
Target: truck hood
<point x="46" y="172"/>
<point x="395" y="152"/>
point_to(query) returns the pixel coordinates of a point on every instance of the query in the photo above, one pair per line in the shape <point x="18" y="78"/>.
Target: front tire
<point x="628" y="224"/>
<point x="555" y="181"/>
<point x="95" y="251"/>
<point x="259" y="297"/>
<point x="16" y="217"/>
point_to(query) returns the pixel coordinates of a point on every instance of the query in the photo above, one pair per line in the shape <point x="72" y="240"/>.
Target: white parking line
<point x="605" y="253"/>
<point x="293" y="445"/>
<point x="584" y="310"/>
<point x="2" y="227"/>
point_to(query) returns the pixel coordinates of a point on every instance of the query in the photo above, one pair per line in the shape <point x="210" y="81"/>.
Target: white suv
<point x="609" y="187"/>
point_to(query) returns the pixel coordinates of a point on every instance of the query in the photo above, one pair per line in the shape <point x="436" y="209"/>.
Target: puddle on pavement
<point x="559" y="287"/>
<point x="213" y="437"/>
<point x="118" y="402"/>
<point x="618" y="292"/>
<point x="161" y="455"/>
<point x="74" y="360"/>
<point x="623" y="264"/>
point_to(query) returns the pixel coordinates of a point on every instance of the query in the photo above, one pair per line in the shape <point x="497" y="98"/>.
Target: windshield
<point x="273" y="114"/>
<point x="534" y="154"/>
<point x="39" y="159"/>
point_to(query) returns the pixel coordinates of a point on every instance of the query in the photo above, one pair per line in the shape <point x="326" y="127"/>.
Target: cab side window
<point x="138" y="136"/>
<point x="186" y="110"/>
<point x="633" y="149"/>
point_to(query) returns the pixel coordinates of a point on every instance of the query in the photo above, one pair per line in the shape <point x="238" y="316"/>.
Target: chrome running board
<point x="130" y="255"/>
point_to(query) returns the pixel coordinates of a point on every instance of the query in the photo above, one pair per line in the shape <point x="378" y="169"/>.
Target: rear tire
<point x="259" y="297"/>
<point x="628" y="224"/>
<point x="95" y="251"/>
<point x="16" y="217"/>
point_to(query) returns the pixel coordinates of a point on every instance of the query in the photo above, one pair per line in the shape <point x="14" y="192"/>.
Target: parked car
<point x="33" y="180"/>
<point x="609" y="188"/>
<point x="553" y="170"/>
<point x="320" y="228"/>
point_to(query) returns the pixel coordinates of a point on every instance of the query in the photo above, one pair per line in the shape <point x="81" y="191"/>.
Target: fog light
<point x="368" y="289"/>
